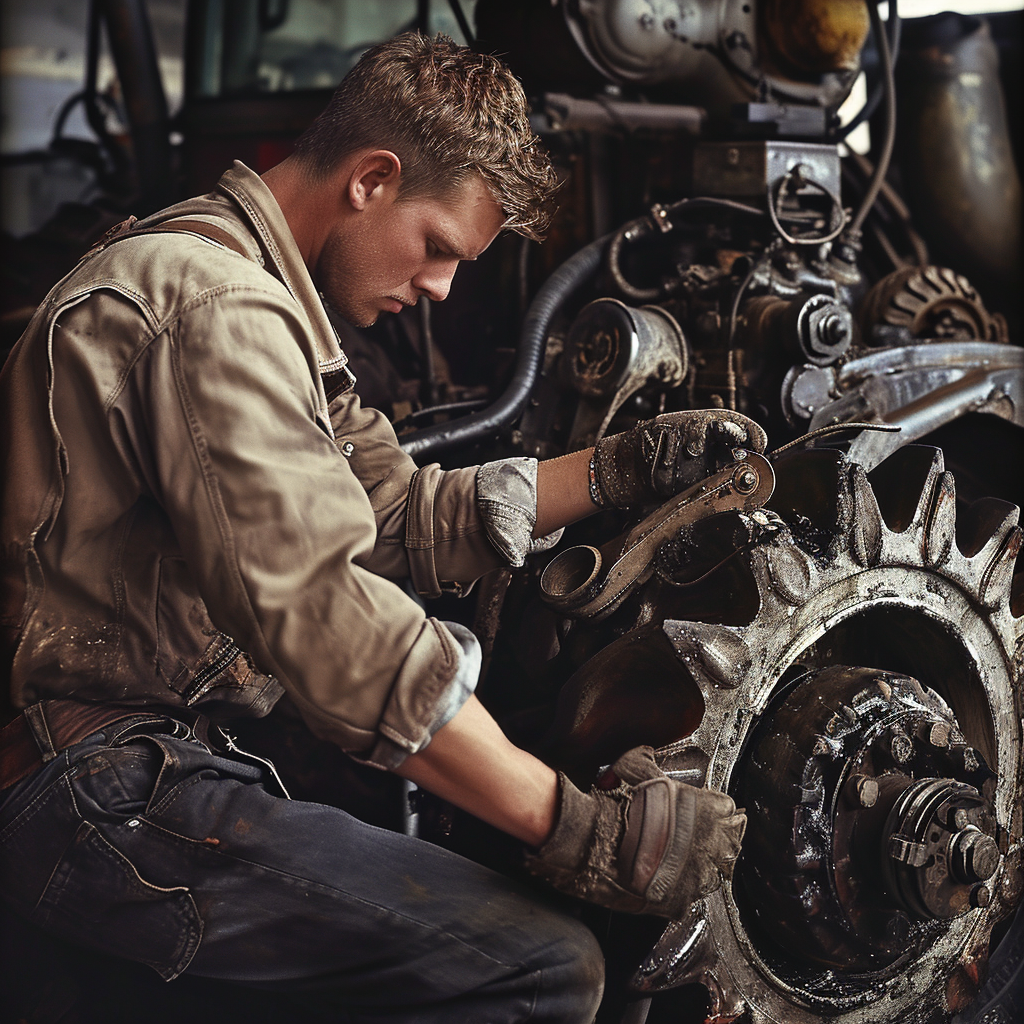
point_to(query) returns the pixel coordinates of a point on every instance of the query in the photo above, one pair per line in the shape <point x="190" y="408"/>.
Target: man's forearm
<point x="471" y="763"/>
<point x="563" y="491"/>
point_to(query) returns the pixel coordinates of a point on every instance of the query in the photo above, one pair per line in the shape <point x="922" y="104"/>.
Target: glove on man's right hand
<point x="650" y="846"/>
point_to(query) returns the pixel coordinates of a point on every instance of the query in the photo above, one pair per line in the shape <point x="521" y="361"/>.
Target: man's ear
<point x="374" y="178"/>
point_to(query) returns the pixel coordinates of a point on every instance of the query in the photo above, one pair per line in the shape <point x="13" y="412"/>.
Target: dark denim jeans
<point x="143" y="843"/>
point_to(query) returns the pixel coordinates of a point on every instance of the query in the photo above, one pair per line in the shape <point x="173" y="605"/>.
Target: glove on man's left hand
<point x="652" y="845"/>
<point x="663" y="456"/>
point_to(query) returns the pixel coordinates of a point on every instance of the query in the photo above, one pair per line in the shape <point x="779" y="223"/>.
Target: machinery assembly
<point x="833" y="633"/>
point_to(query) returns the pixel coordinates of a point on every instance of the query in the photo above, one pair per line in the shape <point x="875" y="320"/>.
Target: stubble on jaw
<point x="334" y="268"/>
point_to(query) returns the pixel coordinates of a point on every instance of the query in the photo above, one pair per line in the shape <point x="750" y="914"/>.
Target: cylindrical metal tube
<point x="958" y="168"/>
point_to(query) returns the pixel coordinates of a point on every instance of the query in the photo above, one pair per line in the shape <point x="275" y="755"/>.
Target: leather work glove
<point x="651" y="845"/>
<point x="663" y="456"/>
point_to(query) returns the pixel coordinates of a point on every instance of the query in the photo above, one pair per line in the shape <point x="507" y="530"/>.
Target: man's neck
<point x="307" y="206"/>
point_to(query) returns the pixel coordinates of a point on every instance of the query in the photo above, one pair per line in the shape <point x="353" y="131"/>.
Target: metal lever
<point x="574" y="584"/>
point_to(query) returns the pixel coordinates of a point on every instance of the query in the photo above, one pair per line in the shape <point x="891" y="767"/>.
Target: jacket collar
<point x="269" y="225"/>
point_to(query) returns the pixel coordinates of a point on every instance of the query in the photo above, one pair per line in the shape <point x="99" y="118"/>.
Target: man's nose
<point x="435" y="282"/>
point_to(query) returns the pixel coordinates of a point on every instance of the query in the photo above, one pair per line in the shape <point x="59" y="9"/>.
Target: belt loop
<point x="36" y="718"/>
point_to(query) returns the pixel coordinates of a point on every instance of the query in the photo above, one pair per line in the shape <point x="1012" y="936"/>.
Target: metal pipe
<point x="567" y="113"/>
<point x="134" y="53"/>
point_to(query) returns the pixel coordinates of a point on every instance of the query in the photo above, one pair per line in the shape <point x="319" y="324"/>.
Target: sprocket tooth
<point x="998" y="573"/>
<point x="681" y="955"/>
<point x="984" y="524"/>
<point x="866" y="525"/>
<point x="905" y="485"/>
<point x="789" y="572"/>
<point x="940" y="521"/>
<point x="718" y="653"/>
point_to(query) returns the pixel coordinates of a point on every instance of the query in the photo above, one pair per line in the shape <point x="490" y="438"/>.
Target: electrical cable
<point x="837" y="217"/>
<point x="893" y="24"/>
<point x="889" y="139"/>
<point x="642" y="226"/>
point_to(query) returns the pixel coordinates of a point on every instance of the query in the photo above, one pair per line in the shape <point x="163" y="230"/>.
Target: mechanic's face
<point x="398" y="250"/>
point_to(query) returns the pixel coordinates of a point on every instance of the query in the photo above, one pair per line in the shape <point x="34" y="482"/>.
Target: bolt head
<point x="983" y="857"/>
<point x="867" y="792"/>
<point x="938" y="735"/>
<point x="901" y="747"/>
<point x="981" y="896"/>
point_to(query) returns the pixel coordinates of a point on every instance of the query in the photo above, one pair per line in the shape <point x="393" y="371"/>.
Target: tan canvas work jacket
<point x="187" y="520"/>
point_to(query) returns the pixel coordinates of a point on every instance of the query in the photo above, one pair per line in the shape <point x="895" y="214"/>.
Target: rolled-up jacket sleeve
<point x="276" y="525"/>
<point x="429" y="526"/>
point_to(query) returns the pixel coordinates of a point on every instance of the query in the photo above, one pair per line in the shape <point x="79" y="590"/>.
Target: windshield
<point x="240" y="47"/>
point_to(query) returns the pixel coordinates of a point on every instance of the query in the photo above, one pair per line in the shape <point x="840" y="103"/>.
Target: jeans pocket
<point x="96" y="897"/>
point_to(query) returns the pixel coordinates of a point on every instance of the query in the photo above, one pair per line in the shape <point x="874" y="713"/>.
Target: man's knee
<point x="573" y="977"/>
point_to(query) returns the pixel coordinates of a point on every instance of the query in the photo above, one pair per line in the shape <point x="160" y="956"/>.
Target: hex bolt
<point x="981" y="896"/>
<point x="901" y="747"/>
<point x="974" y="855"/>
<point x="833" y="330"/>
<point x="938" y="734"/>
<point x="747" y="480"/>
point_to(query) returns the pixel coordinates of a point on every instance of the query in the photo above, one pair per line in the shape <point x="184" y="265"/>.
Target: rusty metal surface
<point x="852" y="570"/>
<point x="817" y="36"/>
<point x="846" y="663"/>
<point x="749" y="168"/>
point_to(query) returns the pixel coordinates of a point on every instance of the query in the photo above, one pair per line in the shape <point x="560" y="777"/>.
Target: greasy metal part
<point x="877" y="570"/>
<point x="611" y="352"/>
<point x="714" y="48"/>
<point x="850" y="835"/>
<point x="920" y="387"/>
<point x="935" y="858"/>
<point x="817" y="36"/>
<point x="805" y="390"/>
<point x="955" y="146"/>
<point x="750" y="168"/>
<point x="817" y="329"/>
<point x="574" y="583"/>
<point x="929" y="302"/>
<point x="569" y="113"/>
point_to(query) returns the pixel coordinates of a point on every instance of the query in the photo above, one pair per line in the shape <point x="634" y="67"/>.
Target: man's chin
<point x="356" y="318"/>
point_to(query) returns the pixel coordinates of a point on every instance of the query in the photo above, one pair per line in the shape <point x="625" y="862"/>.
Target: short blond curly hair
<point x="446" y="111"/>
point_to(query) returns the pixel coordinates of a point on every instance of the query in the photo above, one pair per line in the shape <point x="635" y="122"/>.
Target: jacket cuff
<point x="393" y="747"/>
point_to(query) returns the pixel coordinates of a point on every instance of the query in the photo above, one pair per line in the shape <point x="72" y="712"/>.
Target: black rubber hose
<point x="574" y="272"/>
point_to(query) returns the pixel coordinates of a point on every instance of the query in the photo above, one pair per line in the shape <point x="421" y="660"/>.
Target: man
<point x="199" y="516"/>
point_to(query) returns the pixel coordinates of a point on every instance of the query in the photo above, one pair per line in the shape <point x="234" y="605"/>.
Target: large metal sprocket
<point x="881" y="572"/>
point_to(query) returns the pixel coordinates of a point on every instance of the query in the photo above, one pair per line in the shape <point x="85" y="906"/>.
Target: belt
<point x="43" y="730"/>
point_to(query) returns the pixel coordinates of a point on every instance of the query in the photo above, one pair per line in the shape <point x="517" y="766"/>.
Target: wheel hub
<point x="868" y="823"/>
